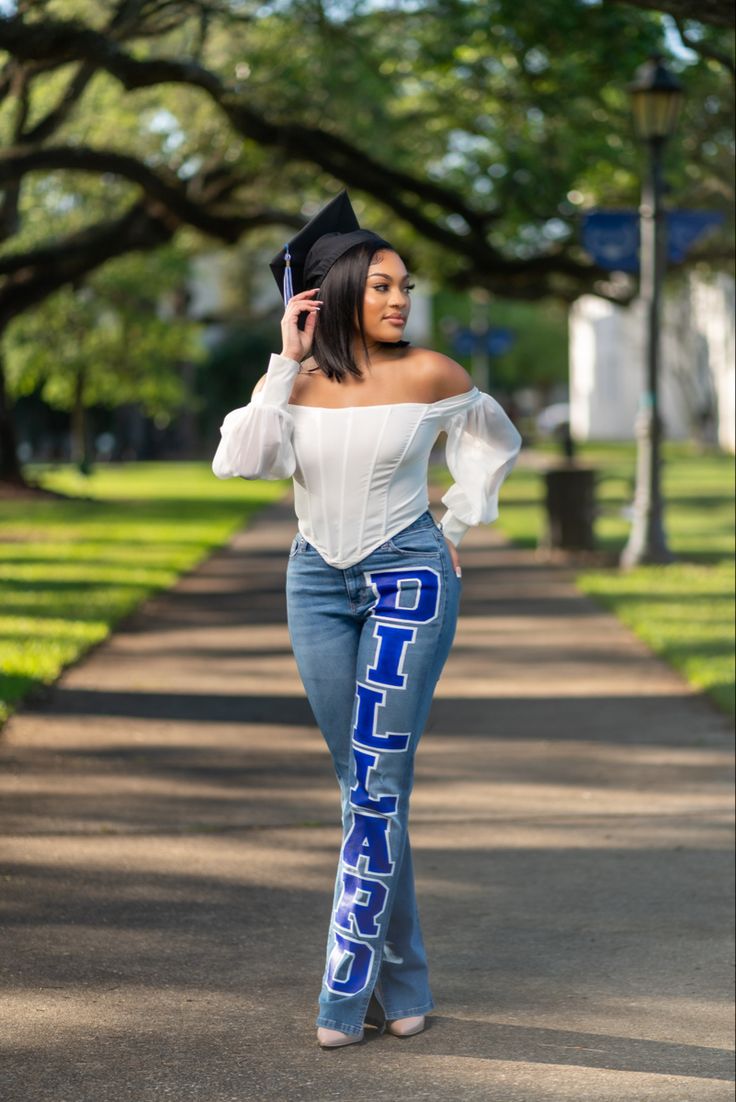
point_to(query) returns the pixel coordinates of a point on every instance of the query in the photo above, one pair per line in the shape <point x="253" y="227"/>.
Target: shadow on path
<point x="170" y="833"/>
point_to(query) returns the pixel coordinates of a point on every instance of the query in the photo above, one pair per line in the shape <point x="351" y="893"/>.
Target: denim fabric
<point x="370" y="642"/>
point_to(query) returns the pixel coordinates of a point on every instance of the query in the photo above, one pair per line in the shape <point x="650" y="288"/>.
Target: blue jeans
<point x="370" y="643"/>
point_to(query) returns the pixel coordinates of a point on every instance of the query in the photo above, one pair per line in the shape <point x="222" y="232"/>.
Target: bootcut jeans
<point x="370" y="642"/>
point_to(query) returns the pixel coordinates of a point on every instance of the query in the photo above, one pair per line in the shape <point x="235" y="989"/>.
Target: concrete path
<point x="170" y="839"/>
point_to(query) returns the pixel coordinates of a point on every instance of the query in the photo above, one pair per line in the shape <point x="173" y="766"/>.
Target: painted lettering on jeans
<point x="406" y="596"/>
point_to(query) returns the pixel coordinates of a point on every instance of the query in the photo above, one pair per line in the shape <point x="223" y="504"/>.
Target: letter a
<point x="368" y="842"/>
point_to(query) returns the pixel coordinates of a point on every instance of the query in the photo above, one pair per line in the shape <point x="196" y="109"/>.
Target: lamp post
<point x="656" y="97"/>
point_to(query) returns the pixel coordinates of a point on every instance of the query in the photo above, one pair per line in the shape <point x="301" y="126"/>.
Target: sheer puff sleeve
<point x="256" y="440"/>
<point x="482" y="446"/>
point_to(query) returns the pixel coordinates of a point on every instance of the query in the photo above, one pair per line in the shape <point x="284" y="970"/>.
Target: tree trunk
<point x="10" y="469"/>
<point x="80" y="451"/>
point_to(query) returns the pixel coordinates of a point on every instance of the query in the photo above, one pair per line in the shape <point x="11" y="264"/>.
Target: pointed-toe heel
<point x="334" y="1038"/>
<point x="406" y="1027"/>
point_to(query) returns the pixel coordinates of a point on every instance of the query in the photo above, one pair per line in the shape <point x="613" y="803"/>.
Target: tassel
<point x="288" y="284"/>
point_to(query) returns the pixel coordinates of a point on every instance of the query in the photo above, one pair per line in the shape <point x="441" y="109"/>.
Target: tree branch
<point x="718" y="13"/>
<point x="174" y="203"/>
<point x="66" y="41"/>
<point x="166" y="188"/>
<point x="704" y="49"/>
<point x="54" y="118"/>
<point x="6" y="78"/>
<point x="35" y="274"/>
<point x="560" y="271"/>
<point x="69" y="41"/>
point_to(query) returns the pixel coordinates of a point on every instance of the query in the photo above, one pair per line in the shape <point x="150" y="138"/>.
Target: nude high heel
<point x="374" y="1019"/>
<point x="334" y="1038"/>
<point x="406" y="1027"/>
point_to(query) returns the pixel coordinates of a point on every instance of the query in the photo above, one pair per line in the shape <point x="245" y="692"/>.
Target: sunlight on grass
<point x="684" y="611"/>
<point x="70" y="569"/>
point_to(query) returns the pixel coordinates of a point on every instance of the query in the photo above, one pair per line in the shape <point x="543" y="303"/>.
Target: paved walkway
<point x="170" y="837"/>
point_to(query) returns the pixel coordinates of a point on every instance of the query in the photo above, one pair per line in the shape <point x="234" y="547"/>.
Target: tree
<point x="476" y="130"/>
<point x="717" y="13"/>
<point x="110" y="342"/>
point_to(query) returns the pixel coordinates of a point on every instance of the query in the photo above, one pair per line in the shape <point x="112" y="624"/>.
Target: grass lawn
<point x="69" y="570"/>
<point x="683" y="611"/>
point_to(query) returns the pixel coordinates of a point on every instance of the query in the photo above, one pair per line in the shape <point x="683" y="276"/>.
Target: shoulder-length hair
<point x="341" y="292"/>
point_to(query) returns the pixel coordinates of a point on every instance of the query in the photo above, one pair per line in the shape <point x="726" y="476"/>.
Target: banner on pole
<point x="493" y="341"/>
<point x="612" y="236"/>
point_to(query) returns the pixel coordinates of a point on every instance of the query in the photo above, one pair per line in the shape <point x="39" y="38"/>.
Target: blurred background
<point x="558" y="178"/>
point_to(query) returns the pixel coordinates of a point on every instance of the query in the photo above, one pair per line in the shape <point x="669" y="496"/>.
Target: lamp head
<point x="656" y="99"/>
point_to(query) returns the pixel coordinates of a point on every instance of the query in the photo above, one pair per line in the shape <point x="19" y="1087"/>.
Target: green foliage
<point x="698" y="490"/>
<point x="109" y="338"/>
<point x="234" y="365"/>
<point x="519" y="106"/>
<point x="539" y="354"/>
<point x="69" y="570"/>
<point x="683" y="611"/>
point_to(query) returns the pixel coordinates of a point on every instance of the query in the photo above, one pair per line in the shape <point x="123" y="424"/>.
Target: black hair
<point x="341" y="292"/>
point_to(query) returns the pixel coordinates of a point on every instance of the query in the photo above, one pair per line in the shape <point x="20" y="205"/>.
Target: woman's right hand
<point x="297" y="343"/>
<point x="455" y="557"/>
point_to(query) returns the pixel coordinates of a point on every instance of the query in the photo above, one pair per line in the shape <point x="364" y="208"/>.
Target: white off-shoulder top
<point x="360" y="472"/>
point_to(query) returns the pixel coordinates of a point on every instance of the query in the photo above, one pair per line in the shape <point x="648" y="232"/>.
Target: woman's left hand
<point x="455" y="557"/>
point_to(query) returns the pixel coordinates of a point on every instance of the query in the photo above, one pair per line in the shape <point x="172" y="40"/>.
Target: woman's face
<point x="386" y="302"/>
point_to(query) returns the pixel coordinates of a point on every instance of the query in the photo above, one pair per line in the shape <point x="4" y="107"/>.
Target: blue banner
<point x="612" y="239"/>
<point x="684" y="227"/>
<point x="499" y="340"/>
<point x="612" y="236"/>
<point x="494" y="341"/>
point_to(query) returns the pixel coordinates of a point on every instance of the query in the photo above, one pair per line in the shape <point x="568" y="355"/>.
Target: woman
<point x="351" y="411"/>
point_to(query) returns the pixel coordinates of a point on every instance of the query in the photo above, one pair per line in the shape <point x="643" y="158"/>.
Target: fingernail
<point x="459" y="573"/>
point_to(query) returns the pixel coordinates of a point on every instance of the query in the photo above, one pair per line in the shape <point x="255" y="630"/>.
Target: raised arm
<point x="256" y="440"/>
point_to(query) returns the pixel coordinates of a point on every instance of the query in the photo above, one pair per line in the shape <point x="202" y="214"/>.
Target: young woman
<point x="351" y="411"/>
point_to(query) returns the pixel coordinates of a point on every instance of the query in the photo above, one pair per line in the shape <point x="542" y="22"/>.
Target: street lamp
<point x="656" y="97"/>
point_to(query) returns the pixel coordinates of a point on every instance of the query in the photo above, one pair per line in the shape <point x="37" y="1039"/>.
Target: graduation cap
<point x="307" y="258"/>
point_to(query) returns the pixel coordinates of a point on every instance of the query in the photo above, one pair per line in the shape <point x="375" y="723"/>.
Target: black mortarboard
<point x="307" y="258"/>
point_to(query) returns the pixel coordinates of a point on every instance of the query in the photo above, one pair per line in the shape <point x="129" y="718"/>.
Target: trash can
<point x="571" y="508"/>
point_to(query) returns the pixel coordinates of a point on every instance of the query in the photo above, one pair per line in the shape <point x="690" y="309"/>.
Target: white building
<point x="697" y="387"/>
